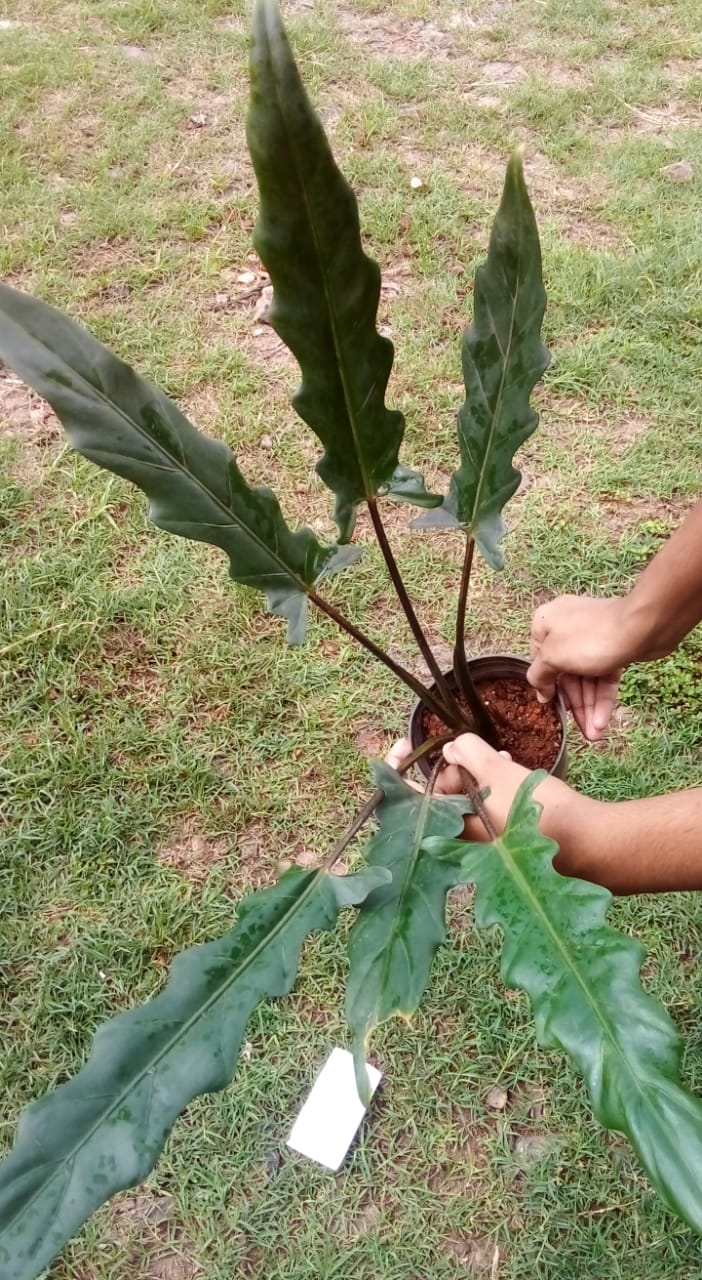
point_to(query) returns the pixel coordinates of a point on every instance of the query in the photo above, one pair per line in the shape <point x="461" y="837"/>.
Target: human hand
<point x="579" y="644"/>
<point x="448" y="781"/>
<point x="494" y="770"/>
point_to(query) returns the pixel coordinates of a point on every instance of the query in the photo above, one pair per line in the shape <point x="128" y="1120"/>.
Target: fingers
<point x="589" y="693"/>
<point x="591" y="702"/>
<point x="539" y="630"/>
<point x="396" y="757"/>
<point x="449" y="782"/>
<point x="572" y="689"/>
<point x="469" y="751"/>
<point x="473" y="754"/>
<point x="605" y="701"/>
<point x="543" y="677"/>
<point x="398" y="753"/>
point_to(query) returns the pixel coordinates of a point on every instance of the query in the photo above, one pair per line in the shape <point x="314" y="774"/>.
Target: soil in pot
<point x="532" y="733"/>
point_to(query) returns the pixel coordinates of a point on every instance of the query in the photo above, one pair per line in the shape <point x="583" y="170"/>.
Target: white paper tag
<point x="329" y="1120"/>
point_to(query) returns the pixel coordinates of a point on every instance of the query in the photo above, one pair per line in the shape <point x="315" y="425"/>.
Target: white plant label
<point x="329" y="1119"/>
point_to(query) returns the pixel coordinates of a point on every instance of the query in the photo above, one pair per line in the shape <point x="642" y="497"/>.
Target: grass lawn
<point x="162" y="750"/>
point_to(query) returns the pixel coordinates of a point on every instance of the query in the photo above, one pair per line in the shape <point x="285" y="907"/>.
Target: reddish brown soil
<point x="532" y="733"/>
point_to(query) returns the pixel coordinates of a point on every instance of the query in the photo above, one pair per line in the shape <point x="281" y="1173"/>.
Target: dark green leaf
<point x="503" y="359"/>
<point x="402" y="923"/>
<point x="105" y="1129"/>
<point x="583" y="980"/>
<point x="326" y="290"/>
<point x="123" y="423"/>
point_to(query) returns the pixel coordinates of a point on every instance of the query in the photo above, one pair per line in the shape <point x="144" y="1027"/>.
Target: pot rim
<point x="559" y="766"/>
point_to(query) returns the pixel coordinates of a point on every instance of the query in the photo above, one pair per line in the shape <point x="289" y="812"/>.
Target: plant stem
<point x="403" y="596"/>
<point x="449" y="714"/>
<point x="472" y="790"/>
<point x="434" y="775"/>
<point x="377" y="797"/>
<point x="483" y="720"/>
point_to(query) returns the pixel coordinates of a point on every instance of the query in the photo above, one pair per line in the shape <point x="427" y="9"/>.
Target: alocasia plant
<point x="104" y="1129"/>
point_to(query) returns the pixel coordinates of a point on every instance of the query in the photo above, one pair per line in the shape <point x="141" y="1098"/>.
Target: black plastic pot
<point x="493" y="667"/>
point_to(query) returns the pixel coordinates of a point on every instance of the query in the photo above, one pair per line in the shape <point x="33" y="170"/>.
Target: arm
<point x="583" y="643"/>
<point x="638" y="846"/>
<point x="666" y="602"/>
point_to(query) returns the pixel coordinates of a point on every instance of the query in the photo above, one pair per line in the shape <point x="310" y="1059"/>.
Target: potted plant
<point x="104" y="1129"/>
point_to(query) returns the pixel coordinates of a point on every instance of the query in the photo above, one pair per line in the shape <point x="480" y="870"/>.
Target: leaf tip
<point x="517" y="157"/>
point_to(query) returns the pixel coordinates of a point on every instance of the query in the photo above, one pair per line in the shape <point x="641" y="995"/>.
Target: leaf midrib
<point x="341" y="367"/>
<point x="184" y="1030"/>
<point x="506" y="356"/>
<point x="393" y="932"/>
<point x="534" y="903"/>
<point x="174" y="463"/>
<point x="640" y="1081"/>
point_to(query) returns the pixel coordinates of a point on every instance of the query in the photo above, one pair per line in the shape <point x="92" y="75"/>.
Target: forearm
<point x="666" y="602"/>
<point x="638" y="846"/>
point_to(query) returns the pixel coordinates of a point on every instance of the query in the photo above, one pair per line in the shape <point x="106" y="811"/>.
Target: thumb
<point x="542" y="677"/>
<point x="464" y="750"/>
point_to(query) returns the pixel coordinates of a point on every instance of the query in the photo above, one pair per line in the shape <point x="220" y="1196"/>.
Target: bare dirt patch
<point x="208" y="110"/>
<point x="123" y="660"/>
<point x="202" y="408"/>
<point x="27" y="419"/>
<point x="459" y="908"/>
<point x="384" y="38"/>
<point x="562" y="75"/>
<point x="623" y="514"/>
<point x="173" y="1265"/>
<point x="255" y="857"/>
<point x="366" y="1221"/>
<point x="625" y="430"/>
<point x="458" y="1175"/>
<point x="135" y="53"/>
<point x="24" y="415"/>
<point x="492" y="86"/>
<point x="239" y="315"/>
<point x="145" y="1223"/>
<point x="657" y="122"/>
<point x="482" y="17"/>
<point x="479" y="1255"/>
<point x="193" y="854"/>
<point x="396" y="517"/>
<point x="370" y="741"/>
<point x="682" y="70"/>
<point x="568" y="421"/>
<point x="299" y="8"/>
<point x="569" y="201"/>
<point x="57" y="103"/>
<point x="267" y="349"/>
<point x="502" y="74"/>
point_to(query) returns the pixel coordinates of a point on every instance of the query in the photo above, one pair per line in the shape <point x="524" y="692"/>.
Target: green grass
<point x="163" y="750"/>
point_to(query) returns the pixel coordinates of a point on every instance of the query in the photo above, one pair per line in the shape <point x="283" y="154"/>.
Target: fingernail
<point x="541" y="697"/>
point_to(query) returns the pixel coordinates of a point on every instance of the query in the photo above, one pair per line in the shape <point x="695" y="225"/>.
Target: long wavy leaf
<point x="402" y="923"/>
<point x="583" y="981"/>
<point x="105" y="1129"/>
<point x="123" y="423"/>
<point x="326" y="290"/>
<point x="503" y="359"/>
